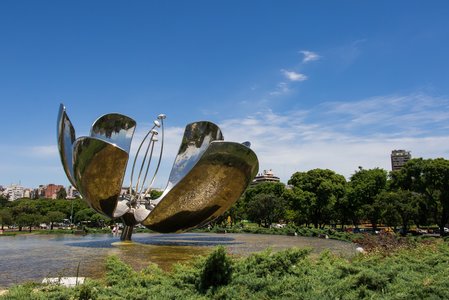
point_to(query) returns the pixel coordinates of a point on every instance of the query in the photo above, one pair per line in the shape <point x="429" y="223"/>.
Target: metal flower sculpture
<point x="207" y="177"/>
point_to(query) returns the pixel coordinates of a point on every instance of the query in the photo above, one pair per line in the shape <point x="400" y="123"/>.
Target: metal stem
<point x="127" y="233"/>
<point x="148" y="166"/>
<point x="135" y="159"/>
<point x="143" y="164"/>
<point x="159" y="161"/>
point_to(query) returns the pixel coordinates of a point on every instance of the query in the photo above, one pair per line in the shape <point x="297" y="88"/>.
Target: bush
<point x="217" y="270"/>
<point x="418" y="271"/>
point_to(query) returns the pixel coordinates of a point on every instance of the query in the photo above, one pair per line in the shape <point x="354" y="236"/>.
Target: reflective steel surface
<point x="116" y="129"/>
<point x="99" y="168"/>
<point x="66" y="138"/>
<point x="210" y="188"/>
<point x="196" y="139"/>
<point x="207" y="177"/>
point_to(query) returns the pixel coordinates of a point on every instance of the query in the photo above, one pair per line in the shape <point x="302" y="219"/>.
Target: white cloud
<point x="320" y="138"/>
<point x="309" y="56"/>
<point x="282" y="88"/>
<point x="293" y="76"/>
<point x="336" y="135"/>
<point x="44" y="151"/>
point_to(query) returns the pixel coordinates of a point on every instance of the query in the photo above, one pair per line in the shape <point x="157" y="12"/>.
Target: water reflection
<point x="33" y="257"/>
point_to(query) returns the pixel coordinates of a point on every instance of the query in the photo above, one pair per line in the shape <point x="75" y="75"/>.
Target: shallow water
<point x="32" y="257"/>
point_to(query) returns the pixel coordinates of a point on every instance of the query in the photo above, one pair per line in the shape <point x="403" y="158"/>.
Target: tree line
<point x="418" y="194"/>
<point x="33" y="212"/>
<point x="30" y="213"/>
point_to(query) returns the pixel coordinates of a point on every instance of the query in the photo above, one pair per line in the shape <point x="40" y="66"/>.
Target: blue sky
<point x="312" y="84"/>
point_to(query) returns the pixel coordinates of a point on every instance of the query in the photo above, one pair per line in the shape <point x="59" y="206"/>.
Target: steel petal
<point x="116" y="129"/>
<point x="196" y="139"/>
<point x="216" y="181"/>
<point x="99" y="168"/>
<point x="66" y="138"/>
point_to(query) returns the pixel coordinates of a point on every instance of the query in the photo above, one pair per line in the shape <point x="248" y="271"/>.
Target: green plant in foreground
<point x="217" y="270"/>
<point x="419" y="271"/>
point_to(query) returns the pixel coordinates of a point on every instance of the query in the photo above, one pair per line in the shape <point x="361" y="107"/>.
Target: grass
<point x="288" y="230"/>
<point x="415" y="271"/>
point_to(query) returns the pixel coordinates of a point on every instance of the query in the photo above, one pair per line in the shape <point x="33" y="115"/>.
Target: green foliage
<point x="416" y="272"/>
<point x="29" y="220"/>
<point x="54" y="216"/>
<point x="290" y="229"/>
<point x="117" y="270"/>
<point x="41" y="208"/>
<point x="3" y="201"/>
<point x="217" y="270"/>
<point x="317" y="192"/>
<point x="266" y="209"/>
<point x="364" y="187"/>
<point x="5" y="217"/>
<point x="430" y="178"/>
<point x="62" y="194"/>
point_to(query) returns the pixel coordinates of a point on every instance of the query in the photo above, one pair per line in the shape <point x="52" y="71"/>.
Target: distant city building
<point x="72" y="193"/>
<point x="399" y="158"/>
<point x="14" y="192"/>
<point x="266" y="176"/>
<point x="27" y="193"/>
<point x="52" y="190"/>
<point x="41" y="191"/>
<point x="125" y="191"/>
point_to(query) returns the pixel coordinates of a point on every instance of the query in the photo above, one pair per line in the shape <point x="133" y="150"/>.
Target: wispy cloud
<point x="43" y="151"/>
<point x="282" y="88"/>
<point x="309" y="56"/>
<point x="293" y="76"/>
<point x="336" y="135"/>
<point x="349" y="53"/>
<point x="344" y="135"/>
<point x="416" y="114"/>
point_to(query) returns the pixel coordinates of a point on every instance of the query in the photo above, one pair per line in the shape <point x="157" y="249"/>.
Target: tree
<point x="54" y="216"/>
<point x="62" y="193"/>
<point x="429" y="177"/>
<point x="318" y="191"/>
<point x="364" y="186"/>
<point x="297" y="206"/>
<point x="90" y="216"/>
<point x="247" y="201"/>
<point x="399" y="207"/>
<point x="265" y="209"/>
<point x="29" y="220"/>
<point x="5" y="217"/>
<point x="84" y="215"/>
<point x="275" y="188"/>
<point x="3" y="201"/>
<point x="154" y="194"/>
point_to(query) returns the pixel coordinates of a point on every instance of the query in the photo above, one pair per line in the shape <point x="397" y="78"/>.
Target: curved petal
<point x="196" y="139"/>
<point x="114" y="128"/>
<point x="216" y="181"/>
<point x="99" y="168"/>
<point x="66" y="138"/>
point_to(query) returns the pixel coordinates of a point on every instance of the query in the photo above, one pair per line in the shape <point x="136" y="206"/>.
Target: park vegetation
<point x="32" y="213"/>
<point x="26" y="213"/>
<point x="417" y="195"/>
<point x="409" y="272"/>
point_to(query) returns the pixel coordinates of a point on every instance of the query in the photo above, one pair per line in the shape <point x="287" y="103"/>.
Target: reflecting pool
<point x="26" y="258"/>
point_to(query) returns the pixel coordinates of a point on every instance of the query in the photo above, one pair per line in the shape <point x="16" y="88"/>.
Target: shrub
<point x="217" y="270"/>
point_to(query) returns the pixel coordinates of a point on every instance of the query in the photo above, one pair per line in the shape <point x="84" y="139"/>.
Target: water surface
<point x="26" y="258"/>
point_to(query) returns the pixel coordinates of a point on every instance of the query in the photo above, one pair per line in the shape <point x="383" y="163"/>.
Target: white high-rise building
<point x="14" y="192"/>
